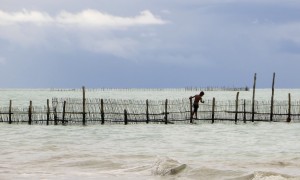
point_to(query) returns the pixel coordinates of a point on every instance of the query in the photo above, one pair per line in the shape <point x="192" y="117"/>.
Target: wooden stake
<point x="253" y="97"/>
<point x="288" y="119"/>
<point x="191" y="110"/>
<point x="244" y="118"/>
<point x="213" y="111"/>
<point x="272" y="98"/>
<point x="48" y="112"/>
<point x="236" y="106"/>
<point x="30" y="113"/>
<point x="64" y="113"/>
<point x="147" y="111"/>
<point x="83" y="106"/>
<point x="102" y="112"/>
<point x="125" y="117"/>
<point x="9" y="112"/>
<point x="166" y="111"/>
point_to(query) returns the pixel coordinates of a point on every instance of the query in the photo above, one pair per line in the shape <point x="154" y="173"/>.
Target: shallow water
<point x="153" y="151"/>
<point x="21" y="97"/>
<point x="218" y="151"/>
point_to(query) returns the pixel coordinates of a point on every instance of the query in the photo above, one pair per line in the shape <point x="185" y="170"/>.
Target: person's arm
<point x="201" y="100"/>
<point x="191" y="97"/>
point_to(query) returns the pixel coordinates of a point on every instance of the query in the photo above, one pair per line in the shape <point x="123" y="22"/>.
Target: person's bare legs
<point x="193" y="114"/>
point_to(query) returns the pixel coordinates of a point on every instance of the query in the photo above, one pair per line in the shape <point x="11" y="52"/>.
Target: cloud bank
<point x="149" y="43"/>
<point x="85" y="18"/>
<point x="88" y="30"/>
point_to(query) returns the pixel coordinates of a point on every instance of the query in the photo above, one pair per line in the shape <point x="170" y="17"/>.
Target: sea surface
<point x="266" y="150"/>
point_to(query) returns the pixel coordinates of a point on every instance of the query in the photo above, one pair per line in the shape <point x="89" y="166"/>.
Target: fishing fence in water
<point x="212" y="88"/>
<point x="69" y="111"/>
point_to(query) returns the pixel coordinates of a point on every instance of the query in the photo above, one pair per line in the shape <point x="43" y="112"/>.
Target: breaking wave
<point x="167" y="166"/>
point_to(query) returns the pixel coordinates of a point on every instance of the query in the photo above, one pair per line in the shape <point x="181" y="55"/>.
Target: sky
<point x="149" y="44"/>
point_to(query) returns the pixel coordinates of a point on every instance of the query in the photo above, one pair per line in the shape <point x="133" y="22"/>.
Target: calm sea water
<point x="154" y="151"/>
<point x="21" y="97"/>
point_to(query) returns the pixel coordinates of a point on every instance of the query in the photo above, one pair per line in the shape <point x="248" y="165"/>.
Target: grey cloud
<point x="226" y="41"/>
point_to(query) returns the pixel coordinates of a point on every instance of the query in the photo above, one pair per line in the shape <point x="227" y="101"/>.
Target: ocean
<point x="259" y="150"/>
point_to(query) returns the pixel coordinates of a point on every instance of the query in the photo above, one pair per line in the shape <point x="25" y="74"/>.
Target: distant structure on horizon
<point x="217" y="88"/>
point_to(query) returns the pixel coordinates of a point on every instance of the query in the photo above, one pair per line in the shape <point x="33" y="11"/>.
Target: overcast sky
<point x="157" y="43"/>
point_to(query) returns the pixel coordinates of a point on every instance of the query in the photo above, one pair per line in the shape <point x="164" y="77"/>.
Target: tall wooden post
<point x="213" y="111"/>
<point x="166" y="111"/>
<point x="102" y="112"/>
<point x="9" y="112"/>
<point x="125" y="117"/>
<point x="288" y="119"/>
<point x="83" y="106"/>
<point x="236" y="107"/>
<point x="147" y="111"/>
<point x="48" y="112"/>
<point x="272" y="98"/>
<point x="30" y="113"/>
<point x="244" y="118"/>
<point x="191" y="110"/>
<point x="64" y="113"/>
<point x="253" y="98"/>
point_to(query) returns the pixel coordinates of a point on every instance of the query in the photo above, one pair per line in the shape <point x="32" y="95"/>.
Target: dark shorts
<point x="196" y="106"/>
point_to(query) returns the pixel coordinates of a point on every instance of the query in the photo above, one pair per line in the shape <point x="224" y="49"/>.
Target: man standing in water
<point x="198" y="97"/>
